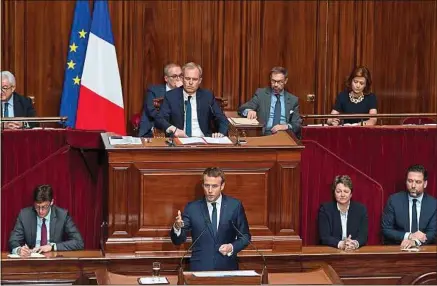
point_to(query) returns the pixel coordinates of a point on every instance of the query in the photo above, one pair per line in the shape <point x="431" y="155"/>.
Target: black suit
<point x="396" y="221"/>
<point x="23" y="106"/>
<point x="205" y="255"/>
<point x="172" y="111"/>
<point x="61" y="224"/>
<point x="330" y="230"/>
<point x="149" y="111"/>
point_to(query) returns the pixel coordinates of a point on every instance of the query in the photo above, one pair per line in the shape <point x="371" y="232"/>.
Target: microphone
<point x="264" y="275"/>
<point x="170" y="141"/>
<point x="194" y="242"/>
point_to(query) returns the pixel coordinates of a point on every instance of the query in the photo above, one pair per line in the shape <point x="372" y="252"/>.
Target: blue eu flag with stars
<point x="75" y="59"/>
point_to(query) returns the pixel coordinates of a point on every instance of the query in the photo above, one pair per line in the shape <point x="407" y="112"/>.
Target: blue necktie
<point x="414" y="227"/>
<point x="6" y="110"/>
<point x="214" y="218"/>
<point x="188" y="117"/>
<point x="277" y="114"/>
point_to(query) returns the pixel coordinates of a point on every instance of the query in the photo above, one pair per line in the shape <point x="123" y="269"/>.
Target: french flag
<point x="100" y="104"/>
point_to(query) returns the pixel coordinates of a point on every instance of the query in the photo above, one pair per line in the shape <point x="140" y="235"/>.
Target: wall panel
<point x="237" y="43"/>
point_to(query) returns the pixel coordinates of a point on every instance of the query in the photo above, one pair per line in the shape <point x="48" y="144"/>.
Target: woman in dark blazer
<point x="343" y="223"/>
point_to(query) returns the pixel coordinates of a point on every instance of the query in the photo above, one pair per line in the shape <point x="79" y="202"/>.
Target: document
<point x="152" y="280"/>
<point x="243" y="121"/>
<point x="243" y="273"/>
<point x="222" y="140"/>
<point x="203" y="140"/>
<point x="124" y="140"/>
<point x="32" y="255"/>
<point x="411" y="249"/>
<point x="191" y="140"/>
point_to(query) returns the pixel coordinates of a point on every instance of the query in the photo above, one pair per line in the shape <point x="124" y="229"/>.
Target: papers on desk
<point x="243" y="121"/>
<point x="204" y="140"/>
<point x="124" y="140"/>
<point x="32" y="255"/>
<point x="411" y="249"/>
<point x="152" y="280"/>
<point x="242" y="273"/>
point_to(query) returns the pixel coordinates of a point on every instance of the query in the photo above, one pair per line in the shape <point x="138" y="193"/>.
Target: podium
<point x="149" y="183"/>
<point x="222" y="277"/>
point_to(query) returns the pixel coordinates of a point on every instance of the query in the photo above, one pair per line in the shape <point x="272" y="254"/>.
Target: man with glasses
<point x="219" y="219"/>
<point x="173" y="79"/>
<point x="13" y="104"/>
<point x="43" y="227"/>
<point x="275" y="107"/>
<point x="188" y="111"/>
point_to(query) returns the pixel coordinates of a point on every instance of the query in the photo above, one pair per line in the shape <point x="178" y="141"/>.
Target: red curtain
<point x="319" y="167"/>
<point x="32" y="157"/>
<point x="383" y="153"/>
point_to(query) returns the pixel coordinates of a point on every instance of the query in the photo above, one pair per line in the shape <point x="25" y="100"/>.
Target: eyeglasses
<point x="208" y="186"/>
<point x="5" y="88"/>
<point x="42" y="208"/>
<point x="176" y="76"/>
<point x="277" y="81"/>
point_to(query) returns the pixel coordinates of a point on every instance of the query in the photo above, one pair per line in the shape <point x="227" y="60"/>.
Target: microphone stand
<point x="170" y="141"/>
<point x="181" y="278"/>
<point x="265" y="273"/>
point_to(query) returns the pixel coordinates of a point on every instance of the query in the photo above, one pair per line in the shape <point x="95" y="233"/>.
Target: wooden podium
<point x="149" y="183"/>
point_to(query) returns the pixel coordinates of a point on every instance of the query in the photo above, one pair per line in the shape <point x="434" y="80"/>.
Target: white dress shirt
<point x="410" y="214"/>
<point x="195" y="127"/>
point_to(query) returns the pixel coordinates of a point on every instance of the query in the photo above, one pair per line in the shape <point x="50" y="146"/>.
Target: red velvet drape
<point x="32" y="157"/>
<point x="319" y="167"/>
<point x="382" y="152"/>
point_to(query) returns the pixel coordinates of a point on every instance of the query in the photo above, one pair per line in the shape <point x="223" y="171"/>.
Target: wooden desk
<point x="367" y="265"/>
<point x="149" y="183"/>
<point x="324" y="275"/>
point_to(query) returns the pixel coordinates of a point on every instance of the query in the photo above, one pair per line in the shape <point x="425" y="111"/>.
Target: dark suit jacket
<point x="149" y="111"/>
<point x="205" y="253"/>
<point x="396" y="221"/>
<point x="261" y="103"/>
<point x="330" y="230"/>
<point x="61" y="224"/>
<point x="23" y="106"/>
<point x="172" y="111"/>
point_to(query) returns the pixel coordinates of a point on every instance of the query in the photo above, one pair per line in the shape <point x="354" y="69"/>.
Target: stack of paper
<point x="124" y="140"/>
<point x="243" y="273"/>
<point x="32" y="255"/>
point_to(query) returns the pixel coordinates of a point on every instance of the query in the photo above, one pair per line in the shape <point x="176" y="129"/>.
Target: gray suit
<point x="61" y="224"/>
<point x="261" y="102"/>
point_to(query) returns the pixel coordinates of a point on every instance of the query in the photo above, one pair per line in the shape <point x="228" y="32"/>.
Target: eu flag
<point x="75" y="59"/>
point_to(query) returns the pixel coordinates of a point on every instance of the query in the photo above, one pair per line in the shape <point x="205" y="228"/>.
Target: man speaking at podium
<point x="218" y="226"/>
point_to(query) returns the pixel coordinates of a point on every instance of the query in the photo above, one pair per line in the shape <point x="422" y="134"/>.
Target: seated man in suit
<point x="173" y="79"/>
<point x="409" y="218"/>
<point x="42" y="227"/>
<point x="282" y="114"/>
<point x="343" y="223"/>
<point x="218" y="225"/>
<point x="13" y="104"/>
<point x="188" y="111"/>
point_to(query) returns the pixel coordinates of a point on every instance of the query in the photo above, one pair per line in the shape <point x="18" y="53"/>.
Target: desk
<point x="324" y="275"/>
<point x="149" y="183"/>
<point x="367" y="265"/>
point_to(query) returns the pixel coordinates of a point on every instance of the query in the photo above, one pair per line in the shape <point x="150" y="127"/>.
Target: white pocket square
<point x="291" y="111"/>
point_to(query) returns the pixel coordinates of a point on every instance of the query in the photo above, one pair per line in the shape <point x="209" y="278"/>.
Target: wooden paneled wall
<point x="237" y="43"/>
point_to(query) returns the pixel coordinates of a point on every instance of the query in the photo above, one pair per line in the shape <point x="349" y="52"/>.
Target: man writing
<point x="188" y="111"/>
<point x="409" y="218"/>
<point x="42" y="228"/>
<point x="216" y="217"/>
